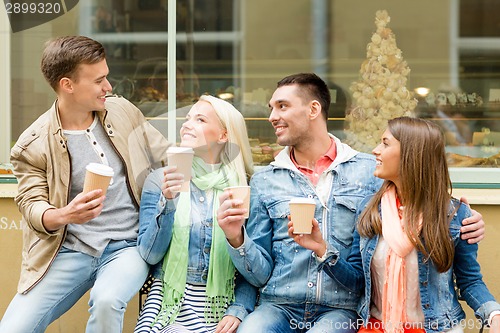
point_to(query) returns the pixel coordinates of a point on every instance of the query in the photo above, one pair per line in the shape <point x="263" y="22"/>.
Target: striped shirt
<point x="191" y="317"/>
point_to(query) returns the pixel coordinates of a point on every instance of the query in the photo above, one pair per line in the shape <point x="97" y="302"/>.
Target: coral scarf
<point x="394" y="293"/>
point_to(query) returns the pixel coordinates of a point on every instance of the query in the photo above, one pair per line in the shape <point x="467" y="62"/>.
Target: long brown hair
<point x="425" y="190"/>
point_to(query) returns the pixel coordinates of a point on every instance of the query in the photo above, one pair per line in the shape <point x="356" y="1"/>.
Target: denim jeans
<point x="115" y="278"/>
<point x="298" y="318"/>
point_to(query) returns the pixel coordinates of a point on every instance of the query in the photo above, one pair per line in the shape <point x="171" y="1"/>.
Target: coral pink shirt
<point x="321" y="164"/>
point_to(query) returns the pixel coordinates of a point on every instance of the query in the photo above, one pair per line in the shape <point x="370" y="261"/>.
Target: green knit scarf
<point x="220" y="281"/>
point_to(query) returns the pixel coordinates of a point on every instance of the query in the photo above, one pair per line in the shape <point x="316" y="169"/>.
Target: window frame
<point x="5" y="88"/>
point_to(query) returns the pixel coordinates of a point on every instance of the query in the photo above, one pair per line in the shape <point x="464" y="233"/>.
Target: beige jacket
<point x="43" y="171"/>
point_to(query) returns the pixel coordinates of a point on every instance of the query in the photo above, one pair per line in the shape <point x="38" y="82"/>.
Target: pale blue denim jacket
<point x="156" y="218"/>
<point x="439" y="299"/>
<point x="269" y="259"/>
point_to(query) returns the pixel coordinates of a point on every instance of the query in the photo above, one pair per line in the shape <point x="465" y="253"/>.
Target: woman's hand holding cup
<point x="172" y="182"/>
<point x="231" y="218"/>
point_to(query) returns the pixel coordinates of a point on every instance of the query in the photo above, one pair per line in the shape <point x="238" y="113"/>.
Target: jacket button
<point x="424" y="283"/>
<point x="427" y="306"/>
<point x="206" y="250"/>
<point x="108" y="126"/>
<point x="110" y="132"/>
<point x="310" y="284"/>
<point x="204" y="276"/>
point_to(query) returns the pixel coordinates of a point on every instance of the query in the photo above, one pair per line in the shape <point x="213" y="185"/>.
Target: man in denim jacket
<point x="295" y="294"/>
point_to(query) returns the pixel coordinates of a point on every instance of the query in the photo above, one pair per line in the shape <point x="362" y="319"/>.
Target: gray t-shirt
<point x="119" y="218"/>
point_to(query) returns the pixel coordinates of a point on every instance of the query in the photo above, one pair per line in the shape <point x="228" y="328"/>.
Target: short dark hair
<point x="313" y="87"/>
<point x="62" y="56"/>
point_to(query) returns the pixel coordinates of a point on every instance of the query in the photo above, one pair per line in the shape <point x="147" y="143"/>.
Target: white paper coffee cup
<point x="242" y="193"/>
<point x="301" y="214"/>
<point x="182" y="158"/>
<point x="97" y="176"/>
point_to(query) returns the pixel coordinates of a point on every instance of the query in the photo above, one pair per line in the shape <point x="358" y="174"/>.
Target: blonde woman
<point x="194" y="288"/>
<point x="407" y="252"/>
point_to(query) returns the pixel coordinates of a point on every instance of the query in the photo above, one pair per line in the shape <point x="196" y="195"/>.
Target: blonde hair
<point x="425" y="190"/>
<point x="236" y="154"/>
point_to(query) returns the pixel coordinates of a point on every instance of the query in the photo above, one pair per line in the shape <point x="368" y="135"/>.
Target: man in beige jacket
<point x="72" y="242"/>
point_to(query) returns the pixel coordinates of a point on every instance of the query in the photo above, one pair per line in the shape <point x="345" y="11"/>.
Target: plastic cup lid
<point x="180" y="150"/>
<point x="302" y="201"/>
<point x="100" y="169"/>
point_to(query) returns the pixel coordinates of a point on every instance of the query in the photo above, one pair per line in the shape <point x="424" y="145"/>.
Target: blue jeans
<point x="295" y="318"/>
<point x="115" y="278"/>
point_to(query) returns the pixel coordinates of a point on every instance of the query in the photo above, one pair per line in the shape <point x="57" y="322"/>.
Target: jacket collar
<point x="55" y="119"/>
<point x="344" y="153"/>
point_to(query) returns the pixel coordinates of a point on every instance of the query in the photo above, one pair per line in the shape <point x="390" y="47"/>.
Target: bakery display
<point x="263" y="153"/>
<point x="380" y="93"/>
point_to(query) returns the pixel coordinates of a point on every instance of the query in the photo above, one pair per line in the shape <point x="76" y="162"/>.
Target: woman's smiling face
<point x="203" y="131"/>
<point x="388" y="155"/>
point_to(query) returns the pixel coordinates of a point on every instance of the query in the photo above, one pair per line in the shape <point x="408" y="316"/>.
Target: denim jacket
<point x="156" y="220"/>
<point x="269" y="259"/>
<point x="439" y="299"/>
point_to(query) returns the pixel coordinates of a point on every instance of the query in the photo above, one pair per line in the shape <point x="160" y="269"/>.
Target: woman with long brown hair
<point x="407" y="252"/>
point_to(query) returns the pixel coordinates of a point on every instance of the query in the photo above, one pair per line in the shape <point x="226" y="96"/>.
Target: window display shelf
<point x="161" y="37"/>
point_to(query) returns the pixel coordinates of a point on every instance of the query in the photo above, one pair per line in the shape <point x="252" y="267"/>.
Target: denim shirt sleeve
<point x="468" y="273"/>
<point x="348" y="272"/>
<point x="156" y="217"/>
<point x="253" y="259"/>
<point x="245" y="298"/>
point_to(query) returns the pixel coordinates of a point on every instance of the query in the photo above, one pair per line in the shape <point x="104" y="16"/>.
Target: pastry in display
<point x="263" y="153"/>
<point x="456" y="100"/>
<point x="456" y="160"/>
<point x="380" y="94"/>
<point x="6" y="169"/>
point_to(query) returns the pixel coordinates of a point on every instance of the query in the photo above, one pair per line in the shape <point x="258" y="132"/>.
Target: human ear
<point x="65" y="84"/>
<point x="314" y="110"/>
<point x="223" y="137"/>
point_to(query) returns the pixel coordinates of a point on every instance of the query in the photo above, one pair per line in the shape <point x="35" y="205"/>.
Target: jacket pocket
<point x="279" y="209"/>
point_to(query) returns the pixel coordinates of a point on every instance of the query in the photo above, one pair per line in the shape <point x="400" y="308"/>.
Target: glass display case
<point x="163" y="59"/>
<point x="238" y="50"/>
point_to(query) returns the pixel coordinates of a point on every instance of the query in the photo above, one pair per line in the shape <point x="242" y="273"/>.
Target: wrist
<point x="236" y="241"/>
<point x="54" y="219"/>
<point x="320" y="252"/>
<point x="330" y="254"/>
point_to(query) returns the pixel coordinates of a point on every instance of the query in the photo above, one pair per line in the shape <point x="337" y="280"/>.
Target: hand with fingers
<point x="172" y="182"/>
<point x="313" y="241"/>
<point x="473" y="227"/>
<point x="231" y="218"/>
<point x="228" y="324"/>
<point x="83" y="208"/>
